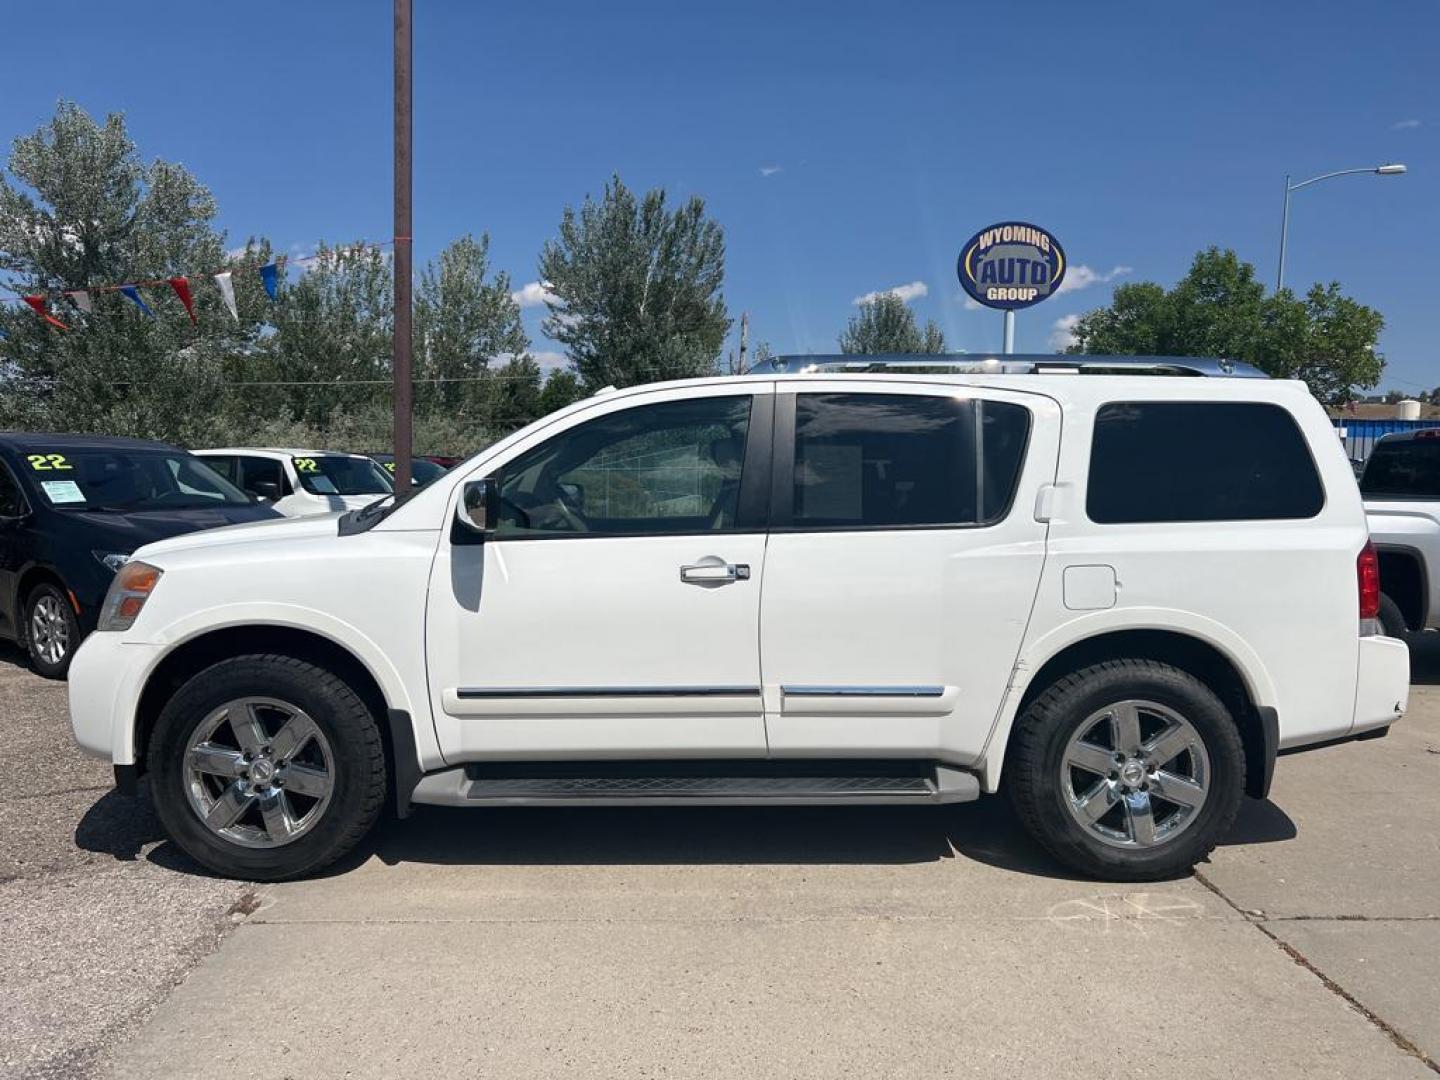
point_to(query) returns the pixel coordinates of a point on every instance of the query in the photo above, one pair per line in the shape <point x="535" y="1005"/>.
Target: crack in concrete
<point x="1399" y="1040"/>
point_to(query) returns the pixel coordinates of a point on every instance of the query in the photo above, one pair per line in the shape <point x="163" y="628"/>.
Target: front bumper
<point x="1382" y="683"/>
<point x="106" y="678"/>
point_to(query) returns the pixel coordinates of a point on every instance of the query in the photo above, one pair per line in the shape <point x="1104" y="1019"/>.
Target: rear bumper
<point x="1382" y="683"/>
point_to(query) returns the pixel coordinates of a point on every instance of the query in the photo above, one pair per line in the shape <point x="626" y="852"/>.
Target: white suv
<point x="302" y="482"/>
<point x="1116" y="589"/>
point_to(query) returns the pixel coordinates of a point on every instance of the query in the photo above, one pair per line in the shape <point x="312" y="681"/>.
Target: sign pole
<point x="402" y="394"/>
<point x="1009" y="346"/>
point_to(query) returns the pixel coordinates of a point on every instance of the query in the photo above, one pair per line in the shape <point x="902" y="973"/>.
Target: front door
<point x="902" y="564"/>
<point x="12" y="550"/>
<point x="614" y="612"/>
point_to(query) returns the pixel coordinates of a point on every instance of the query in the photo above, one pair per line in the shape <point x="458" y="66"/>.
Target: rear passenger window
<point x="1199" y="461"/>
<point x="897" y="460"/>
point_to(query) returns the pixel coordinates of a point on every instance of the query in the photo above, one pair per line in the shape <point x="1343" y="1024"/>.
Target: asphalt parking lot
<point x="795" y="943"/>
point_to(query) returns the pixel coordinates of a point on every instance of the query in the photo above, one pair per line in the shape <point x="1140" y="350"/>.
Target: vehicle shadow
<point x="11" y="655"/>
<point x="985" y="831"/>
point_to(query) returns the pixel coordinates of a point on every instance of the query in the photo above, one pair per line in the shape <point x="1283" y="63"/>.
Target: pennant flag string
<point x="37" y="304"/>
<point x="83" y="299"/>
<point x="227" y="293"/>
<point x="182" y="290"/>
<point x="133" y="294"/>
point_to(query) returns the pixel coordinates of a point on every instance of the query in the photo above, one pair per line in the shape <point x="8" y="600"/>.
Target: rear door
<point x="902" y="564"/>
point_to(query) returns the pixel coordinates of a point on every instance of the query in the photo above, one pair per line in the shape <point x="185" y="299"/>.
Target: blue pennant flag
<point x="134" y="294"/>
<point x="269" y="274"/>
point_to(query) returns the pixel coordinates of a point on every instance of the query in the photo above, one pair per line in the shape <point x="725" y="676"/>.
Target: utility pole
<point x="404" y="390"/>
<point x="744" y="339"/>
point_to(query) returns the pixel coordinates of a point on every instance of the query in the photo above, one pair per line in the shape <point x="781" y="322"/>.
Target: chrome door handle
<point x="714" y="571"/>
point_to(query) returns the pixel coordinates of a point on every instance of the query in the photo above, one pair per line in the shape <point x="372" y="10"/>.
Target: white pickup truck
<point x="1401" y="489"/>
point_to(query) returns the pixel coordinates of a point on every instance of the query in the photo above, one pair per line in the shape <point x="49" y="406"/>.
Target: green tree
<point x="887" y="325"/>
<point x="637" y="288"/>
<point x="1221" y="309"/>
<point x="79" y="209"/>
<point x="561" y="388"/>
<point x="464" y="320"/>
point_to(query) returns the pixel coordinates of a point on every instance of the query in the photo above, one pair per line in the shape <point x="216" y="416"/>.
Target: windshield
<point x="93" y="479"/>
<point x="1403" y="469"/>
<point x="331" y="474"/>
<point x="421" y="471"/>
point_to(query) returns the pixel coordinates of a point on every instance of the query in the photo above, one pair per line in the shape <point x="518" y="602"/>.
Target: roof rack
<point x="996" y="364"/>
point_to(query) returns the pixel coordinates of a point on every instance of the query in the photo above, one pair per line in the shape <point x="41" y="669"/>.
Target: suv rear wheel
<point x="1130" y="770"/>
<point x="266" y="768"/>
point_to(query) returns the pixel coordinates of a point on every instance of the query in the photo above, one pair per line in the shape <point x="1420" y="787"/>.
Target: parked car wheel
<point x="1391" y="618"/>
<point x="266" y="768"/>
<point x="52" y="633"/>
<point x="1130" y="770"/>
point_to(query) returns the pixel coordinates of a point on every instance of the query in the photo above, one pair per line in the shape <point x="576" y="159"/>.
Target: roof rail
<point x="997" y="364"/>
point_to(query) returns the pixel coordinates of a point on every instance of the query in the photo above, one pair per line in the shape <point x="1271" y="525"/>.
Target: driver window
<point x="668" y="468"/>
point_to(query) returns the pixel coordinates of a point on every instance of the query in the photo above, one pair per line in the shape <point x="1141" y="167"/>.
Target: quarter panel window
<point x="667" y="468"/>
<point x="898" y="460"/>
<point x="1172" y="461"/>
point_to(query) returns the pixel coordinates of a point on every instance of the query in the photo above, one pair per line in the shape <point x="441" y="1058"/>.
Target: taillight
<point x="1367" y="578"/>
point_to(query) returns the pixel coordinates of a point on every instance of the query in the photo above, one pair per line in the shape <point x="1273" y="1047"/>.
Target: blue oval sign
<point x="1011" y="265"/>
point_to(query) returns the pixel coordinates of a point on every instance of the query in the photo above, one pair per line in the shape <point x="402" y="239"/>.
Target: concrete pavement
<point x="824" y="943"/>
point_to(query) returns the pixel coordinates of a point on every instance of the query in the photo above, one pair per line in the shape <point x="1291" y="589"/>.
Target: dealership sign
<point x="1011" y="265"/>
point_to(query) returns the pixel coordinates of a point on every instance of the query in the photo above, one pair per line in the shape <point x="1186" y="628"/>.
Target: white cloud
<point x="771" y="170"/>
<point x="534" y="294"/>
<point x="913" y="291"/>
<point x="1081" y="276"/>
<point x="1404" y="125"/>
<point x="1062" y="332"/>
<point x="971" y="304"/>
<point x="550" y="360"/>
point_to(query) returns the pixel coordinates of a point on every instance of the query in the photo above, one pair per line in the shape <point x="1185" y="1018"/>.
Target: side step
<point x="716" y="786"/>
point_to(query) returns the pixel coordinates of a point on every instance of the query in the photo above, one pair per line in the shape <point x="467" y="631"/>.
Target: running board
<point x="462" y="787"/>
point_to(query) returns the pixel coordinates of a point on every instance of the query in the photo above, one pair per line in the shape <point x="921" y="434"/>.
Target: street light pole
<point x="1389" y="169"/>
<point x="403" y="392"/>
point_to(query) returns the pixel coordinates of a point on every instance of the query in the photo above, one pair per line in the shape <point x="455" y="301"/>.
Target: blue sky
<point x="846" y="148"/>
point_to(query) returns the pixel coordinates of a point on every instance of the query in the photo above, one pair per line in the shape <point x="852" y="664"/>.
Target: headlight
<point x="112" y="560"/>
<point x="133" y="584"/>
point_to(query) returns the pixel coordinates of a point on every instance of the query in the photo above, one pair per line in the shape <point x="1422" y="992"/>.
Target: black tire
<point x="1392" y="620"/>
<point x="55" y="600"/>
<point x="347" y="724"/>
<point x="1037" y="748"/>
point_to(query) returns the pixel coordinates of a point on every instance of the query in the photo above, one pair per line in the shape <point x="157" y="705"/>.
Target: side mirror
<point x="265" y="489"/>
<point x="478" y="510"/>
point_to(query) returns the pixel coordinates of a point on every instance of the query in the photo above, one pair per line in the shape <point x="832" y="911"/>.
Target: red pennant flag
<point x="37" y="303"/>
<point x="182" y="290"/>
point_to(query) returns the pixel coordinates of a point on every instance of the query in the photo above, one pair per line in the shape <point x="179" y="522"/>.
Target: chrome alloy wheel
<point x="49" y="629"/>
<point x="259" y="772"/>
<point x="1135" y="774"/>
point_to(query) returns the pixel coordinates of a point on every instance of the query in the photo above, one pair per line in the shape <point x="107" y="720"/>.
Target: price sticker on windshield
<point x="48" y="462"/>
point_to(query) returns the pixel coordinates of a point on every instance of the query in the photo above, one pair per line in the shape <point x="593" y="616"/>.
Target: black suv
<point x="73" y="508"/>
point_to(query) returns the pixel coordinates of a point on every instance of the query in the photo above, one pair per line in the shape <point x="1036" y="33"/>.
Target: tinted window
<point x="1403" y="469"/>
<point x="1198" y="461"/>
<point x="225" y="466"/>
<point x="876" y="460"/>
<point x="256" y="470"/>
<point x="1004" y="429"/>
<point x="12" y="504"/>
<point x="664" y="468"/>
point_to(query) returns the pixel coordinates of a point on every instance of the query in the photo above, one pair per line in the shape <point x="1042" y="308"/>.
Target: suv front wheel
<point x="266" y="767"/>
<point x="1130" y="770"/>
